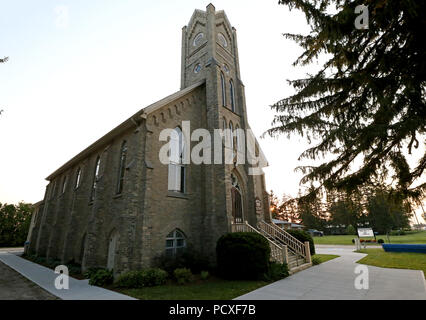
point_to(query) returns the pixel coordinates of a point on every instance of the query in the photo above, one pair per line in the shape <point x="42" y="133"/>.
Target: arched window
<point x="232" y="93"/>
<point x="95" y="178"/>
<point x="175" y="243"/>
<point x="176" y="167"/>
<point x="78" y="178"/>
<point x="121" y="168"/>
<point x="222" y="82"/>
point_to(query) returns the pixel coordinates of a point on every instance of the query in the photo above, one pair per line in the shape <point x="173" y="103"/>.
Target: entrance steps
<point x="284" y="247"/>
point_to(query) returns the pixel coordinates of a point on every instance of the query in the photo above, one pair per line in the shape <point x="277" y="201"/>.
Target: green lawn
<point x="211" y="289"/>
<point x="418" y="237"/>
<point x="399" y="260"/>
<point x="324" y="257"/>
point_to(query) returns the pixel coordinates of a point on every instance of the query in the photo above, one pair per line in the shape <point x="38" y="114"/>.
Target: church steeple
<point x="208" y="39"/>
<point x="209" y="51"/>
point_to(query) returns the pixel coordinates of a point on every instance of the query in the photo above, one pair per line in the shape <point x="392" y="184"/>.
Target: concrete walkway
<point x="334" y="280"/>
<point x="45" y="278"/>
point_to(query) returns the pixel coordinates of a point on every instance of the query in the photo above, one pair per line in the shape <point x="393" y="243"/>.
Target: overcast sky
<point x="79" y="68"/>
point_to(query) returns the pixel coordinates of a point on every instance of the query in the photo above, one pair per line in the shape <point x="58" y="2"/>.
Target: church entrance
<point x="111" y="250"/>
<point x="237" y="203"/>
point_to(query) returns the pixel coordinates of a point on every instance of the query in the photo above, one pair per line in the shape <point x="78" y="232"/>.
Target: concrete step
<point x="299" y="268"/>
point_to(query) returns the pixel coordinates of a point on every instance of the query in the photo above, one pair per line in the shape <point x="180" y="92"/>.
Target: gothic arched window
<point x="222" y="83"/>
<point x="122" y="167"/>
<point x="95" y="178"/>
<point x="175" y="243"/>
<point x="232" y="93"/>
<point x="176" y="167"/>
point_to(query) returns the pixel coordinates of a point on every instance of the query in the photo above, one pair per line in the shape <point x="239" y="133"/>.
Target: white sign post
<point x="365" y="233"/>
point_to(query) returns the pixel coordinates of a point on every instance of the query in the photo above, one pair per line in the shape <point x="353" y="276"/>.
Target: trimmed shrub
<point x="183" y="275"/>
<point x="277" y="271"/>
<point x="380" y="241"/>
<point x="303" y="236"/>
<point x="204" y="275"/>
<point x="143" y="278"/>
<point x="154" y="277"/>
<point x="101" y="277"/>
<point x="242" y="255"/>
<point x="190" y="259"/>
<point x="131" y="279"/>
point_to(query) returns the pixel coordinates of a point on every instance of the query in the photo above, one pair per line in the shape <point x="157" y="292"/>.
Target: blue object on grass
<point x="419" y="248"/>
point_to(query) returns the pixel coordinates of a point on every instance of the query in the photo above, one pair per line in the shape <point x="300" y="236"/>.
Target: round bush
<point x="183" y="275"/>
<point x="303" y="236"/>
<point x="380" y="241"/>
<point x="242" y="255"/>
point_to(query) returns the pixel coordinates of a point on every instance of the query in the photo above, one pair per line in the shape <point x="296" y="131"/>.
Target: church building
<point x="117" y="205"/>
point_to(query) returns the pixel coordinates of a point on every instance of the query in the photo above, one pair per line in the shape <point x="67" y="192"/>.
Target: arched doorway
<point x="112" y="246"/>
<point x="237" y="200"/>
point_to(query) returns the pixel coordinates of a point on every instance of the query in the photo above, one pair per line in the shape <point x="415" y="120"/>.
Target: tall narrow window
<point x="64" y="184"/>
<point x="222" y="82"/>
<point x="237" y="138"/>
<point x="176" y="167"/>
<point x="78" y="178"/>
<point x="232" y="93"/>
<point x="95" y="178"/>
<point x="122" y="168"/>
<point x="231" y="137"/>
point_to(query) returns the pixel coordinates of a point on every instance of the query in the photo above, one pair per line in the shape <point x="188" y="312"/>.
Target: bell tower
<point x="210" y="52"/>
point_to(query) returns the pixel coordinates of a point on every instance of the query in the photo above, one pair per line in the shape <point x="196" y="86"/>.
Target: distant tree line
<point x="378" y="207"/>
<point x="14" y="223"/>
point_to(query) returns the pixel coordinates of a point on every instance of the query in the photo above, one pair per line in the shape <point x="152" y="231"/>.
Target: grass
<point x="324" y="257"/>
<point x="211" y="289"/>
<point x="399" y="260"/>
<point x="415" y="237"/>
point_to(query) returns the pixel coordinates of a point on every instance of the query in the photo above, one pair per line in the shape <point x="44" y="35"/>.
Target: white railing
<point x="293" y="244"/>
<point x="278" y="253"/>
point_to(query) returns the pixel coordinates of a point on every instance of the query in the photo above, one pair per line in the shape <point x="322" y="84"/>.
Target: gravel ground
<point x="14" y="286"/>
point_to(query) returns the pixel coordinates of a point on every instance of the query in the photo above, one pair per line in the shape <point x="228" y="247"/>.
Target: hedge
<point x="242" y="255"/>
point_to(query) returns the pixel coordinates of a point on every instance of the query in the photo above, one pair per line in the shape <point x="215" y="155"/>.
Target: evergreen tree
<point x="367" y="101"/>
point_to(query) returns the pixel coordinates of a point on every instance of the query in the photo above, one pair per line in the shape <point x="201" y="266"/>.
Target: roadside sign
<point x="365" y="232"/>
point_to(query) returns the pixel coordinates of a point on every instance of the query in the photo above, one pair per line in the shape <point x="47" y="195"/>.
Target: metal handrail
<point x="276" y="250"/>
<point x="293" y="244"/>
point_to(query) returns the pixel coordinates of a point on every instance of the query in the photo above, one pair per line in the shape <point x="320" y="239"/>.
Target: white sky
<point x="79" y="68"/>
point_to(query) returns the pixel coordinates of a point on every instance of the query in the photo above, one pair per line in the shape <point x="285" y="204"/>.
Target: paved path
<point x="14" y="286"/>
<point x="334" y="280"/>
<point x="45" y="278"/>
